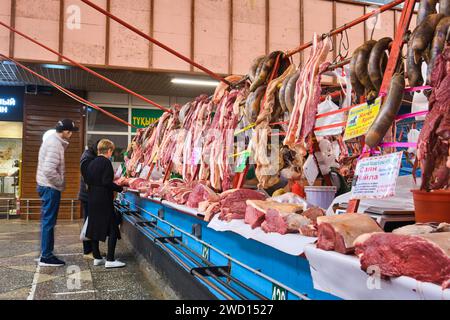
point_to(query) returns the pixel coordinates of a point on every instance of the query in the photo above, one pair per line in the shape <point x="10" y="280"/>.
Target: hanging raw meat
<point x="433" y="144"/>
<point x="308" y="90"/>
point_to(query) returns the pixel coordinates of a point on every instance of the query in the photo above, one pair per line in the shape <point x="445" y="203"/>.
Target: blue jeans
<point x="49" y="212"/>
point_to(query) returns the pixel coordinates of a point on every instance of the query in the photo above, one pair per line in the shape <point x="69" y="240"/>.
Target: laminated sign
<point x="376" y="177"/>
<point x="360" y="119"/>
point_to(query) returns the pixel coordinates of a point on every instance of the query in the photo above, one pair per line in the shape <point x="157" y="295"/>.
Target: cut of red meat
<point x="308" y="231"/>
<point x="283" y="223"/>
<point x="234" y="202"/>
<point x="257" y="209"/>
<point x="211" y="210"/>
<point x="422" y="257"/>
<point x="314" y="213"/>
<point x="201" y="193"/>
<point x="254" y="217"/>
<point x="122" y="181"/>
<point x="339" y="232"/>
<point x="137" y="183"/>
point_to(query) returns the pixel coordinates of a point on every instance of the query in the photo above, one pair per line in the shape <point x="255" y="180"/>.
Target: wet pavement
<point x="22" y="279"/>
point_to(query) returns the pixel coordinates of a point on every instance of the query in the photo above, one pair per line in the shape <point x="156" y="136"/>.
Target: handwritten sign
<point x="360" y="119"/>
<point x="375" y="177"/>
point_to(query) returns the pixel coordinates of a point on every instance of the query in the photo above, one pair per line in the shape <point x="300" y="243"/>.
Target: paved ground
<point x="21" y="278"/>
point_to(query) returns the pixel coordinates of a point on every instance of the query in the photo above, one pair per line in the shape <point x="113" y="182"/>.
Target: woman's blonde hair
<point x="104" y="146"/>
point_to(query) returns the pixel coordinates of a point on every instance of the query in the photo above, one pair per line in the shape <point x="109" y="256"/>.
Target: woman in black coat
<point x="102" y="221"/>
<point x="88" y="155"/>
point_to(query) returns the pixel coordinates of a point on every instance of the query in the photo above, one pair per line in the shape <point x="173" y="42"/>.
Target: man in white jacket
<point x="51" y="183"/>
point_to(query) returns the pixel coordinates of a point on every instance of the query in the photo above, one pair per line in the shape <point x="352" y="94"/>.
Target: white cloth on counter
<point x="403" y="199"/>
<point x="292" y="244"/>
<point x="341" y="276"/>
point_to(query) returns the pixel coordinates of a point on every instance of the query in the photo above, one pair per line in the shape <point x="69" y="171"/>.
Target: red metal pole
<point x="159" y="44"/>
<point x="348" y="25"/>
<point x="87" y="69"/>
<point x="67" y="92"/>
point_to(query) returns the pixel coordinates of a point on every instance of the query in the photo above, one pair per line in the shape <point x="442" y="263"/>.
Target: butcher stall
<point x="281" y="187"/>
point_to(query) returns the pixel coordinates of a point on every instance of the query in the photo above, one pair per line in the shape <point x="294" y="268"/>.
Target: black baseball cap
<point x="66" y="124"/>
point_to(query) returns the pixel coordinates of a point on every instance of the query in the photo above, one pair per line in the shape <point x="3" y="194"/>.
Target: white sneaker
<point x="114" y="264"/>
<point x="99" y="262"/>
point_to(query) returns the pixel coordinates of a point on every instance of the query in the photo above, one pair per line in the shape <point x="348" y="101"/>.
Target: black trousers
<point x="112" y="241"/>
<point x="87" y="245"/>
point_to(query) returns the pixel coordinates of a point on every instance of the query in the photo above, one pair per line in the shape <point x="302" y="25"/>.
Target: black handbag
<point x="118" y="217"/>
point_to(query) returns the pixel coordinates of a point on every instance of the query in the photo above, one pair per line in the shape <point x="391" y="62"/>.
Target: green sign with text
<point x="142" y="118"/>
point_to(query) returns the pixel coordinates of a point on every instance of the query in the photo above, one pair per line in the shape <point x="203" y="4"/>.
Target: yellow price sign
<point x="360" y="119"/>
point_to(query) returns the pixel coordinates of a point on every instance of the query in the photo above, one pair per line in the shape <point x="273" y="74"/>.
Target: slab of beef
<point x="433" y="144"/>
<point x="313" y="213"/>
<point x="257" y="209"/>
<point x="309" y="230"/>
<point x="209" y="209"/>
<point x="283" y="223"/>
<point x="422" y="257"/>
<point x="233" y="203"/>
<point x="201" y="193"/>
<point x="339" y="232"/>
<point x="123" y="182"/>
<point x="138" y="183"/>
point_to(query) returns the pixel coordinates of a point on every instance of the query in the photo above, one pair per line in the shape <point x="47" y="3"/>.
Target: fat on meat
<point x="338" y="232"/>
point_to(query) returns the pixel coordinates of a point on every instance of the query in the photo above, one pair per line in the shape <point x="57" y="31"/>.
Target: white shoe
<point x="114" y="264"/>
<point x="99" y="262"/>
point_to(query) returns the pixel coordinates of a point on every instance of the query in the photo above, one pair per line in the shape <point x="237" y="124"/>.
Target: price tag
<point x="310" y="170"/>
<point x="119" y="172"/>
<point x="278" y="293"/>
<point x="145" y="172"/>
<point x="241" y="162"/>
<point x="250" y="126"/>
<point x="139" y="168"/>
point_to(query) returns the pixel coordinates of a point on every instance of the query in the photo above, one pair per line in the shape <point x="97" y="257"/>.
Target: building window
<point x="98" y="121"/>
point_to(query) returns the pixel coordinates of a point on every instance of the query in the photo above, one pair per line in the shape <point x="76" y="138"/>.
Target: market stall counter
<point x="272" y="273"/>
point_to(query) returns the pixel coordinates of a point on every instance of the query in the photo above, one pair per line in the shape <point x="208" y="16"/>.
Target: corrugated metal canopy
<point x="149" y="83"/>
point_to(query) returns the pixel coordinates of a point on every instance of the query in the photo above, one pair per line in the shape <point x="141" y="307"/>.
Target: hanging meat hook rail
<point x="154" y="41"/>
<point x="67" y="92"/>
<point x="348" y="25"/>
<point x="87" y="69"/>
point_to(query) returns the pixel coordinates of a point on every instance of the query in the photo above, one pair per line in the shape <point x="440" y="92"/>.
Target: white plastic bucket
<point x="320" y="196"/>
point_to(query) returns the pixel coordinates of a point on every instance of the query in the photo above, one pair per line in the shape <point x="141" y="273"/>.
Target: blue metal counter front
<point x="290" y="274"/>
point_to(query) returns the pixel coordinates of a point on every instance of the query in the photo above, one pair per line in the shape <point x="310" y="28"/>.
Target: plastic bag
<point x="343" y="76"/>
<point x="327" y="106"/>
<point x="83" y="231"/>
<point x="291" y="198"/>
<point x="420" y="101"/>
<point x="326" y="157"/>
<point x="413" y="137"/>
